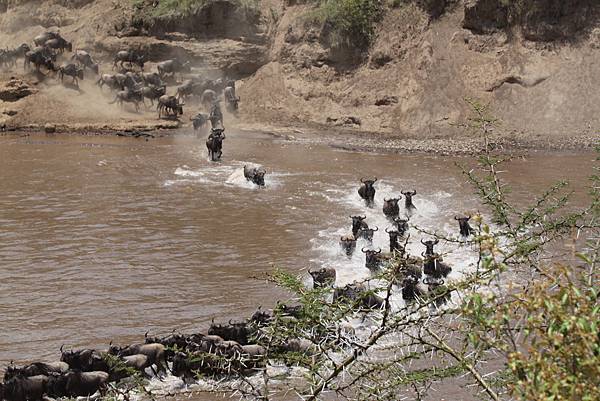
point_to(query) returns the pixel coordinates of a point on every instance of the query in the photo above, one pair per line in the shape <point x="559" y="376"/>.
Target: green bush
<point x="352" y="23"/>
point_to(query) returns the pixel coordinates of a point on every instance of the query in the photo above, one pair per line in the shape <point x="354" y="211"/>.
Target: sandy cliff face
<point x="536" y="69"/>
<point x="535" y="64"/>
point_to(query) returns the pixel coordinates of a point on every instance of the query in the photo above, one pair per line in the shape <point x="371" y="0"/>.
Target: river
<point x="103" y="238"/>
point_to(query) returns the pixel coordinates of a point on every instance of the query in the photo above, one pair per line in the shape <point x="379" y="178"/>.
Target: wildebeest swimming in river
<point x="367" y="191"/>
<point x="255" y="175"/>
<point x="214" y="144"/>
<point x="464" y="226"/>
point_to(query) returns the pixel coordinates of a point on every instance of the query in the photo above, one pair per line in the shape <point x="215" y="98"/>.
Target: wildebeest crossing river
<point x="105" y="238"/>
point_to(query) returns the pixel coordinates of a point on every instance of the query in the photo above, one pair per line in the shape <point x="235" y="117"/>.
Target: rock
<point x="10" y="113"/>
<point x="549" y="20"/>
<point x="379" y="58"/>
<point x="14" y="90"/>
<point x="386" y="100"/>
<point x="347" y="120"/>
<point x="595" y="38"/>
<point x="49" y="128"/>
<point x="485" y="16"/>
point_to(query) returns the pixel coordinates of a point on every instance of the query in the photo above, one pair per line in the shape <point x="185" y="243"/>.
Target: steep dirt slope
<point x="420" y="70"/>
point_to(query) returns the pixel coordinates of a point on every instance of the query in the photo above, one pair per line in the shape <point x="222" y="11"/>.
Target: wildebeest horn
<point x="379" y="250"/>
<point x="386" y="230"/>
<point x="61" y="348"/>
<point x="375" y="229"/>
<point x="455" y="218"/>
<point x="362" y="179"/>
<point x="423" y="242"/>
<point x="363" y="250"/>
<point x="436" y="241"/>
<point x="146" y="334"/>
<point x="423" y="254"/>
<point x="469" y="218"/>
<point x="110" y="344"/>
<point x="230" y="322"/>
<point x="375" y="179"/>
<point x="414" y="192"/>
<point x="386" y="200"/>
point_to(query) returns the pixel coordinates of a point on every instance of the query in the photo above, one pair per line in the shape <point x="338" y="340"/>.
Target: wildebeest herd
<point x="131" y="85"/>
<point x="408" y="270"/>
<point x="223" y="350"/>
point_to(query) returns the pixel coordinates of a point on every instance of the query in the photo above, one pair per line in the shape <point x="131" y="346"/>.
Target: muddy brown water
<point x="105" y="238"/>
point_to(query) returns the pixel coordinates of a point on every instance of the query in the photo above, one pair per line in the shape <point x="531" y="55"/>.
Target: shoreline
<point x="342" y="139"/>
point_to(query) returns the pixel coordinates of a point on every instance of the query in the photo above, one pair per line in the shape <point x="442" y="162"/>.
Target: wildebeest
<point x="9" y="57"/>
<point x="464" y="226"/>
<point x="208" y="98"/>
<point x="358" y="222"/>
<point x="85" y="360"/>
<point x="367" y="191"/>
<point x="36" y="369"/>
<point x="71" y="70"/>
<point x="214" y="144"/>
<point x="170" y="67"/>
<point x="44" y="37"/>
<point x="434" y="266"/>
<point x="199" y="121"/>
<point x="390" y="207"/>
<point x="295" y="311"/>
<point x="59" y="44"/>
<point x="128" y="96"/>
<point x="185" y="89"/>
<point x="408" y="203"/>
<point x="255" y="175"/>
<point x="234" y="331"/>
<point x="395" y="244"/>
<point x="374" y="259"/>
<point x="138" y="362"/>
<point x="169" y="105"/>
<point x="410" y="289"/>
<point x="78" y="384"/>
<point x="367" y="233"/>
<point x="323" y="277"/>
<point x="130" y="57"/>
<point x="357" y="292"/>
<point x="171" y="342"/>
<point x="39" y="57"/>
<point x="152" y="78"/>
<point x="437" y="290"/>
<point x="153" y="93"/>
<point x="109" y="80"/>
<point x="348" y="244"/>
<point x="216" y="115"/>
<point x="85" y="60"/>
<point x="155" y="353"/>
<point x="261" y="317"/>
<point x="429" y="244"/>
<point x="231" y="101"/>
<point x="21" y="388"/>
<point x="402" y="225"/>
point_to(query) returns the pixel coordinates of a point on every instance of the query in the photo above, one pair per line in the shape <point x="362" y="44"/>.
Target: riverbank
<point x="336" y="138"/>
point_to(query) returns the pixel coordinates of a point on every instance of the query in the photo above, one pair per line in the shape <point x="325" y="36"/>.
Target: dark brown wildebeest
<point x="214" y="144"/>
<point x="130" y="57"/>
<point x="367" y="191"/>
<point x="464" y="226"/>
<point x="71" y="70"/>
<point x="255" y="175"/>
<point x="85" y="60"/>
<point x="358" y="223"/>
<point x="391" y="210"/>
<point x="169" y="105"/>
<point x="408" y="203"/>
<point x="323" y="277"/>
<point x="59" y="44"/>
<point x="348" y="244"/>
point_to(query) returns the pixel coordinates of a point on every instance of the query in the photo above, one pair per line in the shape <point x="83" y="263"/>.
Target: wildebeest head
<point x="285" y="310"/>
<point x="395" y="244"/>
<point x="408" y="203"/>
<point x="464" y="226"/>
<point x="261" y="317"/>
<point x="348" y="244"/>
<point x="358" y="222"/>
<point x="372" y="260"/>
<point x="367" y="233"/>
<point x="323" y="277"/>
<point x="429" y="244"/>
<point x="401" y="225"/>
<point x="390" y="206"/>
